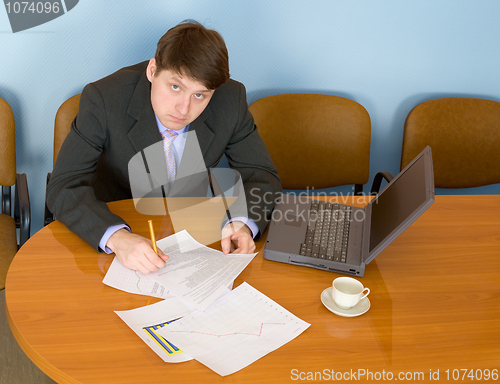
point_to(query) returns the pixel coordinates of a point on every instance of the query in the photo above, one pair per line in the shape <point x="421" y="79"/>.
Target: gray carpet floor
<point x="15" y="366"/>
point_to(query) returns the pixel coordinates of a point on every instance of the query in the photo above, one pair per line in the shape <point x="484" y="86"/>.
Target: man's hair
<point x="198" y="52"/>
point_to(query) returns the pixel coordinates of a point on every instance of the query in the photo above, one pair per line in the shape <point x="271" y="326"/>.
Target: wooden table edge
<point x="43" y="364"/>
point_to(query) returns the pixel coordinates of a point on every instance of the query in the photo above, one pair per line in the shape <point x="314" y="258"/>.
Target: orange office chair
<point x="315" y="141"/>
<point x="62" y="125"/>
<point x="21" y="217"/>
<point x="464" y="134"/>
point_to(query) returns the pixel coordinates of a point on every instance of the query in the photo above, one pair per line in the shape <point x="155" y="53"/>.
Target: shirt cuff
<point x="248" y="222"/>
<point x="107" y="235"/>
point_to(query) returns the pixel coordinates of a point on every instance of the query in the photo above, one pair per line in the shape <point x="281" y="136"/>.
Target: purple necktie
<point x="168" y="137"/>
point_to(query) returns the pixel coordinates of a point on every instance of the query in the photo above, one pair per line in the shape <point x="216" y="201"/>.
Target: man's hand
<point x="136" y="252"/>
<point x="237" y="238"/>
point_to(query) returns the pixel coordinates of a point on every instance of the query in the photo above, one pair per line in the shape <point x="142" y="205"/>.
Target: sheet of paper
<point x="146" y="321"/>
<point x="127" y="280"/>
<point x="194" y="273"/>
<point x="235" y="331"/>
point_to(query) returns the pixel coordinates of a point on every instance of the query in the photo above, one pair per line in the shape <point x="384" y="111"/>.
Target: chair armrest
<point x="22" y="208"/>
<point x="48" y="216"/>
<point x="377" y="181"/>
<point x="6" y="201"/>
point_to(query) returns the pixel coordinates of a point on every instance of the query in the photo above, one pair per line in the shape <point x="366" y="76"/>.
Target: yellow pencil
<point x="152" y="232"/>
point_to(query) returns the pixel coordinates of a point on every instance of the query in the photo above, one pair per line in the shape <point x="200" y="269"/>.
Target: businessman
<point x="185" y="88"/>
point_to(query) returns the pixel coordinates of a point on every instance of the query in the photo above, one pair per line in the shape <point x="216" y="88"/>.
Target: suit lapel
<point x="203" y="133"/>
<point x="145" y="131"/>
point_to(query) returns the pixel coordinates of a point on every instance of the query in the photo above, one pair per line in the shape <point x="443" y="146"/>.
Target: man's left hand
<point x="237" y="238"/>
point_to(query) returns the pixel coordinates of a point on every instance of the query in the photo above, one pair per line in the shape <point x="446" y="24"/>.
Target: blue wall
<point x="388" y="55"/>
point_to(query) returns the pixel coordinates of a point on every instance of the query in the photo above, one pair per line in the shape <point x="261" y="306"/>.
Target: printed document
<point x="195" y="273"/>
<point x="130" y="281"/>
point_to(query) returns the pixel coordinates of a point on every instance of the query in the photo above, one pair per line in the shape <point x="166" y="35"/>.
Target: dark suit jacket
<point x="116" y="121"/>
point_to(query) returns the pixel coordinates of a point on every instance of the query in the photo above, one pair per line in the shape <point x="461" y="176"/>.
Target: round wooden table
<point x="435" y="305"/>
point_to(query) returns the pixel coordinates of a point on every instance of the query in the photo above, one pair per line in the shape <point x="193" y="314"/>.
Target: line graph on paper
<point x="138" y="281"/>
<point x="258" y="334"/>
<point x="234" y="331"/>
<point x="127" y="280"/>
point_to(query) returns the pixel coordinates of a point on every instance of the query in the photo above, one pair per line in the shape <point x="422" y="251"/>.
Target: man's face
<point x="177" y="99"/>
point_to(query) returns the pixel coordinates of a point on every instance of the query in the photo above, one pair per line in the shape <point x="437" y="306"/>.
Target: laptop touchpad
<point x="292" y="220"/>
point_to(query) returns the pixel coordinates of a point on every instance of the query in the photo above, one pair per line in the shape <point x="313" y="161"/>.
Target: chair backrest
<point x="7" y="145"/>
<point x="62" y="125"/>
<point x="315" y="141"/>
<point x="8" y="237"/>
<point x="464" y="134"/>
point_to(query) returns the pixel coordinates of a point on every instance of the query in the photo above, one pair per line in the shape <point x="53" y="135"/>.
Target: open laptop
<point x="342" y="238"/>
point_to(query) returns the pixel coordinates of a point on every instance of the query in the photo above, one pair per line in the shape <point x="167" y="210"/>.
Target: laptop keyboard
<point x="327" y="231"/>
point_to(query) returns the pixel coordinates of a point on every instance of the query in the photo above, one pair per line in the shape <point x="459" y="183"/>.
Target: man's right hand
<point x="136" y="252"/>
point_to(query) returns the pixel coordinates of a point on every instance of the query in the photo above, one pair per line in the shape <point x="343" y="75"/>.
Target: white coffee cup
<point x="347" y="292"/>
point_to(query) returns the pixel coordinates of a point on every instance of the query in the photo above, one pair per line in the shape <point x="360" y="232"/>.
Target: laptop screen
<point x="396" y="207"/>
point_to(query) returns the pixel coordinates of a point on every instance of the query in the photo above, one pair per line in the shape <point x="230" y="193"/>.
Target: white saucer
<point x="357" y="310"/>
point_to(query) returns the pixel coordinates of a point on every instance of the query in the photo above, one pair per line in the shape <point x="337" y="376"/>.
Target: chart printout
<point x="236" y="330"/>
<point x="145" y="322"/>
